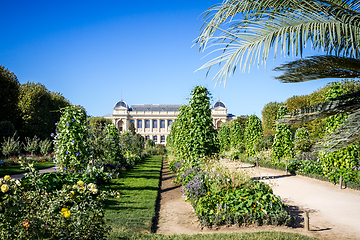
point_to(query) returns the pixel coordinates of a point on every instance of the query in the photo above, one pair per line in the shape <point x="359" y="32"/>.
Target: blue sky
<point x="97" y="52"/>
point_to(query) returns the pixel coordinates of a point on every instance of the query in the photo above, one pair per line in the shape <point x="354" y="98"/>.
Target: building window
<point x="162" y="123"/>
<point x="147" y="123"/>
<point x="169" y="123"/>
<point x="132" y="121"/>
<point x="162" y="139"/>
<point x="155" y="138"/>
<point x="147" y="137"/>
<point x="155" y="124"/>
<point x="139" y="123"/>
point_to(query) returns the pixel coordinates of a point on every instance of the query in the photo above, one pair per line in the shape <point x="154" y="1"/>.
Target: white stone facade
<point x="154" y="120"/>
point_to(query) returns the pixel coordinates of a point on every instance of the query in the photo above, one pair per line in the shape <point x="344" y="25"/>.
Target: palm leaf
<point x="318" y="67"/>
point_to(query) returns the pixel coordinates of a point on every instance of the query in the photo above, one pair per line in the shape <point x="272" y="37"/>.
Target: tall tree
<point x="259" y="26"/>
<point x="9" y="95"/>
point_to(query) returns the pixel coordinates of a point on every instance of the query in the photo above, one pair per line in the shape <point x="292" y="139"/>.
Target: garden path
<point x="334" y="213"/>
<point x="21" y="175"/>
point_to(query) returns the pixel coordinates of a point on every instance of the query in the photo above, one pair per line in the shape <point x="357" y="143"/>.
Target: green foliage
<point x="40" y="110"/>
<point x="31" y="145"/>
<point x="113" y="151"/>
<point x="253" y="135"/>
<point x="236" y="134"/>
<point x="224" y="137"/>
<point x="132" y="129"/>
<point x="98" y="121"/>
<point x="72" y="149"/>
<point x="11" y="146"/>
<point x="73" y="212"/>
<point x="45" y="147"/>
<point x="7" y="129"/>
<point x="9" y="95"/>
<point x="269" y="116"/>
<point x="193" y="135"/>
<point x="283" y="142"/>
<point x="149" y="143"/>
<point x="342" y="161"/>
<point x="302" y="142"/>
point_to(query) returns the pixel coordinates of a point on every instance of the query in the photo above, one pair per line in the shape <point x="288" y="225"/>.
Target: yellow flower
<point x="74" y="186"/>
<point x="233" y="209"/>
<point x="272" y="200"/>
<point x="240" y="197"/>
<point x="7" y="177"/>
<point x="72" y="193"/>
<point x="65" y="212"/>
<point x="208" y="192"/>
<point x="4" y="188"/>
<point x="80" y="183"/>
<point x="94" y="190"/>
<point x="81" y="189"/>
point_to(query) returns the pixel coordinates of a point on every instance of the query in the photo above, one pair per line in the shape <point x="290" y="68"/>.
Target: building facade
<point x="153" y="121"/>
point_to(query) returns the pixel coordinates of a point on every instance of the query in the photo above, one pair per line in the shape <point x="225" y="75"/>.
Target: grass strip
<point x="15" y="169"/>
<point x="214" y="236"/>
<point x="134" y="211"/>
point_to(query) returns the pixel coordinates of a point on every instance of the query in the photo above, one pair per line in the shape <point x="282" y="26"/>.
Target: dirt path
<point x="334" y="213"/>
<point x="21" y="175"/>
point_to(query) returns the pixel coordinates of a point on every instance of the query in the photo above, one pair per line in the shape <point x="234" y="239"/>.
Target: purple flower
<point x="73" y="120"/>
<point x="67" y="123"/>
<point x="77" y="154"/>
<point x="73" y="141"/>
<point x="67" y="152"/>
<point x="52" y="134"/>
<point x="56" y="124"/>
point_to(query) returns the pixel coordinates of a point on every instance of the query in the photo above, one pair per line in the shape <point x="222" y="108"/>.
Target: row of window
<point x="162" y="138"/>
<point x="139" y="123"/>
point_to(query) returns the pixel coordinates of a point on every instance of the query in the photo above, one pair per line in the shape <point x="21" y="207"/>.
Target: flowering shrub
<point x="195" y="188"/>
<point x="72" y="150"/>
<point x="30" y="211"/>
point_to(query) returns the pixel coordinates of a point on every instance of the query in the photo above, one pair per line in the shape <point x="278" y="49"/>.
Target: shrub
<point x="302" y="142"/>
<point x="45" y="147"/>
<point x="224" y="137"/>
<point x="253" y="135"/>
<point x="72" y="149"/>
<point x="73" y="212"/>
<point x="31" y="145"/>
<point x="11" y="146"/>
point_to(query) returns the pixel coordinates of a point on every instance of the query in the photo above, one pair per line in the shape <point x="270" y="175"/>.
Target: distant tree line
<point x="27" y="109"/>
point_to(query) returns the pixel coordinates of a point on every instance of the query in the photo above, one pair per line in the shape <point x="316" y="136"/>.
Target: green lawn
<point x="134" y="211"/>
<point x="15" y="169"/>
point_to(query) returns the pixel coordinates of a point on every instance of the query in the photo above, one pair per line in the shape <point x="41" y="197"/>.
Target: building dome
<point x="219" y="104"/>
<point x="121" y="103"/>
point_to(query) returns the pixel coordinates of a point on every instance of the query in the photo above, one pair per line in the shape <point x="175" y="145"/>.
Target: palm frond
<point x="347" y="134"/>
<point x="318" y="67"/>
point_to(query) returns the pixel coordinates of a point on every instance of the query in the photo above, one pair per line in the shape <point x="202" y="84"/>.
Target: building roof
<point x="121" y="103"/>
<point x="155" y="107"/>
<point x="219" y="104"/>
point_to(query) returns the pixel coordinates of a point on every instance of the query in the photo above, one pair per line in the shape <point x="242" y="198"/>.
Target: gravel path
<point x="334" y="213"/>
<point x="46" y="170"/>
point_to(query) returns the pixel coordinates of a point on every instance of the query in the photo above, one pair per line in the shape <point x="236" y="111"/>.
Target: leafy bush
<point x="224" y="137"/>
<point x="45" y="147"/>
<point x="31" y="145"/>
<point x="73" y="212"/>
<point x="11" y="146"/>
<point x="253" y="135"/>
<point x="72" y="149"/>
<point x="302" y="141"/>
<point x="283" y="144"/>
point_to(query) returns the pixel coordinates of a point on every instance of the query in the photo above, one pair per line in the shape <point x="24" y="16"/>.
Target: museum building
<point x="153" y="121"/>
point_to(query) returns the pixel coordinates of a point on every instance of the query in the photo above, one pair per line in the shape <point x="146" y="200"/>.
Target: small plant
<point x="45" y="147"/>
<point x="11" y="146"/>
<point x="31" y="145"/>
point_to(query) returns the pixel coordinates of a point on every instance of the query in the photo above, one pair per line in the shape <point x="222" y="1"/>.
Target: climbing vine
<point x="253" y="135"/>
<point x="224" y="137"/>
<point x="283" y="143"/>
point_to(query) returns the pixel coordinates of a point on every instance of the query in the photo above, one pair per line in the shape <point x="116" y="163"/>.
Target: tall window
<point x="155" y="124"/>
<point x="162" y="123"/>
<point x="147" y="123"/>
<point x="155" y="138"/>
<point x="132" y="121"/>
<point x="139" y="123"/>
<point x="169" y="123"/>
<point x="162" y="139"/>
